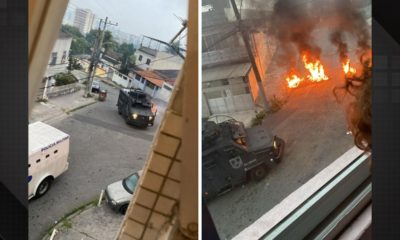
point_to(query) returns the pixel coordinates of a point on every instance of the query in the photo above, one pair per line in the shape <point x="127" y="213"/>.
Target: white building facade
<point x="58" y="60"/>
<point x="83" y="20"/>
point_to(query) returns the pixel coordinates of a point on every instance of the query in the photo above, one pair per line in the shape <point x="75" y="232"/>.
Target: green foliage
<point x="71" y="30"/>
<point x="275" y="104"/>
<point x="259" y="118"/>
<point x="64" y="79"/>
<point x="108" y="41"/>
<point x="80" y="46"/>
<point x="73" y="64"/>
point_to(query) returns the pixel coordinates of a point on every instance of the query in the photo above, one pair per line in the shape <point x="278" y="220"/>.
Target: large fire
<point x="348" y="70"/>
<point x="317" y="73"/>
<point x="293" y="81"/>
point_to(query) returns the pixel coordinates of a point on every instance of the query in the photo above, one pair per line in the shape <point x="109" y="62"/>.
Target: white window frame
<point x="323" y="206"/>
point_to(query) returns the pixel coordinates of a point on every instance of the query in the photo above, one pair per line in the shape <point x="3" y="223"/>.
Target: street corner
<point x="90" y="222"/>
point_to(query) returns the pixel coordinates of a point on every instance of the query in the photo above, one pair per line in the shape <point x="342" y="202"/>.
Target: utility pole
<point x="251" y="56"/>
<point x="96" y="54"/>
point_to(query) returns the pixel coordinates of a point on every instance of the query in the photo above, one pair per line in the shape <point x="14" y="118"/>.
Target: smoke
<point x="351" y="20"/>
<point x="337" y="40"/>
<point x="292" y="23"/>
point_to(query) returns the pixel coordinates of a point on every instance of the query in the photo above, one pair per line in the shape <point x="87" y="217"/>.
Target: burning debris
<point x="293" y="24"/>
<point x="294" y="81"/>
<point x="316" y="70"/>
<point x="347" y="69"/>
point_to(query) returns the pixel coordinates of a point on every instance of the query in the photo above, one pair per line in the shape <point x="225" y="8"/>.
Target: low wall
<point x="63" y="90"/>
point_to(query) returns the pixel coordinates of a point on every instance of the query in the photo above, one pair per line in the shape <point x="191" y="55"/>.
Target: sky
<point x="154" y="18"/>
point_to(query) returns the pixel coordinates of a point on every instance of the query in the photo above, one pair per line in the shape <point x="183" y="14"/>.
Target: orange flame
<point x="316" y="70"/>
<point x="348" y="70"/>
<point x="293" y="81"/>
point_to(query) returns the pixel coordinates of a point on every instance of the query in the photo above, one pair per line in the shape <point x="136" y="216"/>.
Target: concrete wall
<point x="121" y="79"/>
<point x="168" y="62"/>
<point x="142" y="63"/>
<point x="227" y="96"/>
<point x="165" y="92"/>
<point x="61" y="45"/>
<point x="231" y="104"/>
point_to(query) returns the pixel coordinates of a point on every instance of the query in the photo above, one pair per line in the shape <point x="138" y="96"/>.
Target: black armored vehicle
<point x="136" y="107"/>
<point x="232" y="155"/>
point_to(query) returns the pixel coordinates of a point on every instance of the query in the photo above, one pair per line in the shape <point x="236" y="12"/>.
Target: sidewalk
<point x="89" y="223"/>
<point x="56" y="109"/>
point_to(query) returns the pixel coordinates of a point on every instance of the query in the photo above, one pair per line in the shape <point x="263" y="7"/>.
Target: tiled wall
<point x="154" y="208"/>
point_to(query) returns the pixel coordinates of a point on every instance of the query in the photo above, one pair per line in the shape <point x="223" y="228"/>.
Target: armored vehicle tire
<point x="123" y="209"/>
<point x="119" y="111"/>
<point x="43" y="187"/>
<point x="258" y="173"/>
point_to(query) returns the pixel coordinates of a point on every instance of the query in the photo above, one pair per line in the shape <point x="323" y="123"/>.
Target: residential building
<point x="144" y="57"/>
<point x="83" y="20"/>
<point x="58" y="60"/>
<point x="229" y="83"/>
<point x="152" y="59"/>
<point x="157" y="83"/>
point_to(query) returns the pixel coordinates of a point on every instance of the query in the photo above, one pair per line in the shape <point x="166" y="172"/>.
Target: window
<point x="64" y="57"/>
<point x="37" y="161"/>
<point x="48" y="155"/>
<point x="56" y="151"/>
<point x="140" y="57"/>
<point x="124" y="78"/>
<point x="167" y="88"/>
<point x="137" y="77"/>
<point x="148" y="61"/>
<point x="53" y="58"/>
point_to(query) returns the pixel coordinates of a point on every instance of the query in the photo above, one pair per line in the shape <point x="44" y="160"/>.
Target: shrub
<point x="64" y="79"/>
<point x="276" y="104"/>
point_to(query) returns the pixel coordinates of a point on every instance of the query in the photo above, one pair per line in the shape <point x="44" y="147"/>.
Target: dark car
<point x="95" y="87"/>
<point x="136" y="107"/>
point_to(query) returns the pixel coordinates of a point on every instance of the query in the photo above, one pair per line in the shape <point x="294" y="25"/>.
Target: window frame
<point x="302" y="213"/>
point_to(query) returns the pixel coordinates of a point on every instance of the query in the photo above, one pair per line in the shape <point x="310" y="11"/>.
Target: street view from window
<point x="108" y="81"/>
<point x="258" y="146"/>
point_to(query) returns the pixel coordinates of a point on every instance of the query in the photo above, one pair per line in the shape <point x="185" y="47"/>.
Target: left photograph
<point x="113" y="123"/>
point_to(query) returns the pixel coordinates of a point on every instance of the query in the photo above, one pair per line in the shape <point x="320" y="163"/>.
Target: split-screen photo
<point x="188" y="119"/>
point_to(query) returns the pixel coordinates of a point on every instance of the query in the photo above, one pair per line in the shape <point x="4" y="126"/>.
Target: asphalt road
<point x="103" y="149"/>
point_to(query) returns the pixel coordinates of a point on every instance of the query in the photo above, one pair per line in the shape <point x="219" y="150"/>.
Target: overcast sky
<point x="154" y="18"/>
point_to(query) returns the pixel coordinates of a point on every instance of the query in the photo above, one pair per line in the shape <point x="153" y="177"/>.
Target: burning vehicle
<point x="233" y="155"/>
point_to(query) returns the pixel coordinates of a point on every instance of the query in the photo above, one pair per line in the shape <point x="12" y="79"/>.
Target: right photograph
<point x="286" y="119"/>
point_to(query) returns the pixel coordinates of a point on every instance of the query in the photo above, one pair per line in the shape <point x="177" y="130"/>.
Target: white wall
<point x="61" y="45"/>
<point x="121" y="79"/>
<point x="167" y="61"/>
<point x="164" y="93"/>
<point x="142" y="63"/>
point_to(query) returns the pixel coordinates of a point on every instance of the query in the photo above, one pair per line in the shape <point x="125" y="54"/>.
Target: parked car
<point x="95" y="87"/>
<point x="119" y="194"/>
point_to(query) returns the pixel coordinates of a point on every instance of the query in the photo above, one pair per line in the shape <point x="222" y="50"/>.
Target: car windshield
<point x="130" y="183"/>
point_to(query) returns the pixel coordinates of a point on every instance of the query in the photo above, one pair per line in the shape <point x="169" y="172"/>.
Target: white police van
<point x="48" y="157"/>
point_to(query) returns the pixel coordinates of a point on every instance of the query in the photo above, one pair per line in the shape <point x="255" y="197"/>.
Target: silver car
<point x="119" y="194"/>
